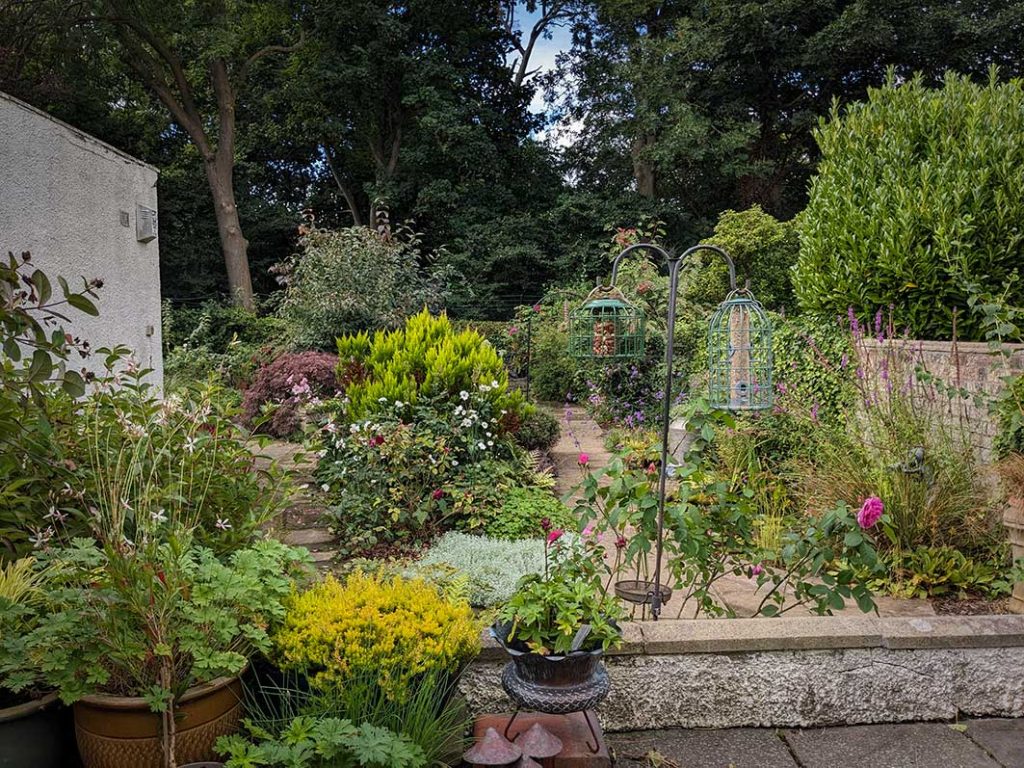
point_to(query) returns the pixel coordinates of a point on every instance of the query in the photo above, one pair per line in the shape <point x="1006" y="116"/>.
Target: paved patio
<point x="987" y="743"/>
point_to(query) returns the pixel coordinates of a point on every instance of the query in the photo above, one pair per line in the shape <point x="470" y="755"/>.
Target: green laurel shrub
<point x="919" y="191"/>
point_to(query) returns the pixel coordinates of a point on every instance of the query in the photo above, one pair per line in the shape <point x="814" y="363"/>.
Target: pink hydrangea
<point x="870" y="512"/>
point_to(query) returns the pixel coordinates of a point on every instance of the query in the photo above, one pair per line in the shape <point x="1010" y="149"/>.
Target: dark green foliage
<point x="945" y="571"/>
<point x="919" y="191"/>
<point x="523" y="512"/>
<point x="1010" y="418"/>
<point x="554" y="374"/>
<point x="538" y="430"/>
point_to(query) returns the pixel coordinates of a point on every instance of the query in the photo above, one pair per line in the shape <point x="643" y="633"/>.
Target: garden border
<point x="806" y="671"/>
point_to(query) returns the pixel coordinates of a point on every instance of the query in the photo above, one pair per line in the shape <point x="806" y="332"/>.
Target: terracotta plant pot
<point x="122" y="732"/>
<point x="37" y="734"/>
<point x="1013" y="521"/>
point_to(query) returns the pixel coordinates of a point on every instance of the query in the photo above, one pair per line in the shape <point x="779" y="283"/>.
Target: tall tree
<point x="711" y="103"/>
<point x="197" y="58"/>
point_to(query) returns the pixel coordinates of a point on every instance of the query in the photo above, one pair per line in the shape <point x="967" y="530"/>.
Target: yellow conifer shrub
<point x="395" y="628"/>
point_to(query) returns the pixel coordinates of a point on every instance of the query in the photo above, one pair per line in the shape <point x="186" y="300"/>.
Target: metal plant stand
<point x="739" y="341"/>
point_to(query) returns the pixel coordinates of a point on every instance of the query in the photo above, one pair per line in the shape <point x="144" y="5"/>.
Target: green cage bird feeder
<point x="607" y="327"/>
<point x="740" y="355"/>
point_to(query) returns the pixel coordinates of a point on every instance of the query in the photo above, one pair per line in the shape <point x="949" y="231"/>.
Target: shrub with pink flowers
<point x="274" y="400"/>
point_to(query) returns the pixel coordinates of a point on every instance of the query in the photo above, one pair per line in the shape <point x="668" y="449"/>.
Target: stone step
<point x="307" y="537"/>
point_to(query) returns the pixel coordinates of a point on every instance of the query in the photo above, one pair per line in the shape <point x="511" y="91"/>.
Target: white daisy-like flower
<point x="459" y="410"/>
<point x="354" y="429"/>
<point x="464" y="395"/>
<point x="190" y="444"/>
<point x="382" y="399"/>
<point x="223" y="524"/>
<point x="481" y="446"/>
<point x="160" y="516"/>
<point x="490" y="443"/>
<point x="455" y="462"/>
<point x="484" y="388"/>
<point x="467" y="422"/>
<point x="494" y="384"/>
<point x="399" y="404"/>
<point x="325" y="487"/>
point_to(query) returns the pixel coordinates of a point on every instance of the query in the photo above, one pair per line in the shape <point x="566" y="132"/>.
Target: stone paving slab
<point x="914" y="745"/>
<point x="1003" y="739"/>
<point x="733" y="748"/>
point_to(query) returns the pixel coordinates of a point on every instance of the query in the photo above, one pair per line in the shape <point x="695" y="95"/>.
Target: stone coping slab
<point x="680" y="636"/>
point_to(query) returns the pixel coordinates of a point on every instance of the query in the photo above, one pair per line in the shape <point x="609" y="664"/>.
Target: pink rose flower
<point x="757" y="570"/>
<point x="588" y="531"/>
<point x="437" y="494"/>
<point x="584" y="459"/>
<point x="555" y="535"/>
<point x="870" y="512"/>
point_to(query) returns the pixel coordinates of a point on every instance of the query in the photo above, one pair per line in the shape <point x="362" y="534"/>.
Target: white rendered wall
<point x="61" y="197"/>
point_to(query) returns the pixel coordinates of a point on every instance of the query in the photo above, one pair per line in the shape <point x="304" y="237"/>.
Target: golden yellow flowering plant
<point x="394" y="628"/>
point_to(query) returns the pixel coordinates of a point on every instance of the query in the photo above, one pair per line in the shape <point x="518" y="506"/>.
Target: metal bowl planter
<point x="641" y="592"/>
<point x="554" y="685"/>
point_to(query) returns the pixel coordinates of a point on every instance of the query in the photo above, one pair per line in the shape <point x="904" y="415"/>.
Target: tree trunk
<point x="232" y="241"/>
<point x="643" y="171"/>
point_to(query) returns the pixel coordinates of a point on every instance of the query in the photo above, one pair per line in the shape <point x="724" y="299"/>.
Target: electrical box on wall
<point x="145" y="224"/>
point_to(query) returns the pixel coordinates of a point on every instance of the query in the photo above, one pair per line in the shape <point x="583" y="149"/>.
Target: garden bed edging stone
<point x="812" y="671"/>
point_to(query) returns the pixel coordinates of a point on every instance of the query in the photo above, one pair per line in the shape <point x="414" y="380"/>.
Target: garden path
<point x="581" y="434"/>
<point x="300" y="525"/>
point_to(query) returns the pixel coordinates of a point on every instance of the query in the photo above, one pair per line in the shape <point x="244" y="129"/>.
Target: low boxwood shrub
<point x="285" y="384"/>
<point x="538" y="430"/>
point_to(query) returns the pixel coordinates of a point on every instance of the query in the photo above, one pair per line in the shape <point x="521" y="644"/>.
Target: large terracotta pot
<point x="122" y="732"/>
<point x="37" y="734"/>
<point x="1013" y="520"/>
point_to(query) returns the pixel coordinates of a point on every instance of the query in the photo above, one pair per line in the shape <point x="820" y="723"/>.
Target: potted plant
<point x="557" y="626"/>
<point x="147" y="640"/>
<point x="35" y="728"/>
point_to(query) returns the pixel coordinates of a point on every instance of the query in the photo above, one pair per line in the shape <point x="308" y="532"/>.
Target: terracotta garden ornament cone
<point x="539" y="743"/>
<point x="493" y="749"/>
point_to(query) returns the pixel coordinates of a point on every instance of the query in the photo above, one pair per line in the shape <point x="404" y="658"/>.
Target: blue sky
<point x="545" y="51"/>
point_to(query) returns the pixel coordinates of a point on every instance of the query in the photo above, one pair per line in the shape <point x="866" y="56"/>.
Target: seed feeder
<point x="740" y="355"/>
<point x="607" y="327"/>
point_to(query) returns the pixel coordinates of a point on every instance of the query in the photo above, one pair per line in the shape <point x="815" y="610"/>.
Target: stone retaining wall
<point x="798" y="672"/>
<point x="968" y="365"/>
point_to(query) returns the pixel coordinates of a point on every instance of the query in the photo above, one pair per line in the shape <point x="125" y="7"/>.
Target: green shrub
<point x="538" y="430"/>
<point x="217" y="326"/>
<point x="424" y="360"/>
<point x="1010" y="419"/>
<point x="554" y="374"/>
<point x="918" y="191"/>
<point x="352" y="280"/>
<point x="492" y="567"/>
<point x="764" y="250"/>
<point x="522" y="512"/>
